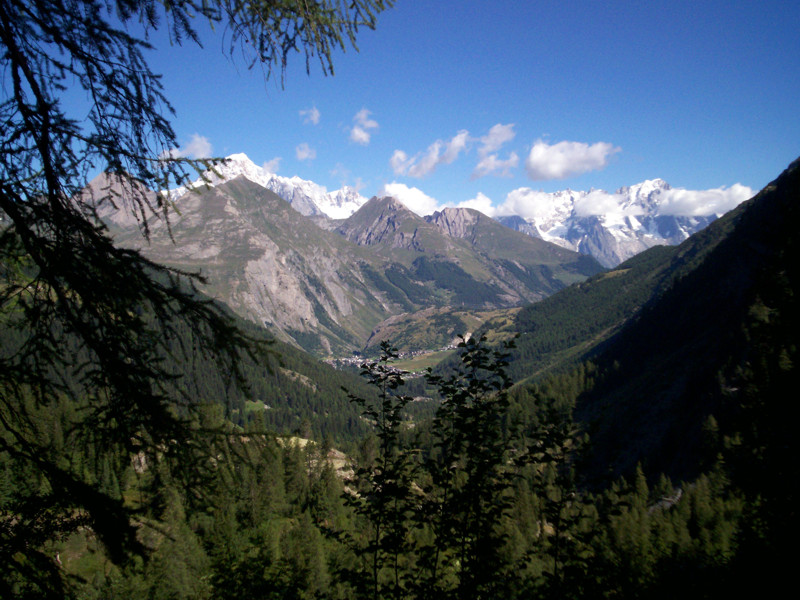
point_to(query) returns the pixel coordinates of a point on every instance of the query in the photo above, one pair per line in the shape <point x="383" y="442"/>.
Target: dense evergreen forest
<point x="484" y="501"/>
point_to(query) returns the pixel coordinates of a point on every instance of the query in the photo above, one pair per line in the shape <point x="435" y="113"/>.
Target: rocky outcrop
<point x="456" y="222"/>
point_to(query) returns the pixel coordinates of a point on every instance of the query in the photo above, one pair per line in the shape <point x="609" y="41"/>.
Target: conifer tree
<point x="82" y="320"/>
<point x="471" y="477"/>
<point x="382" y="497"/>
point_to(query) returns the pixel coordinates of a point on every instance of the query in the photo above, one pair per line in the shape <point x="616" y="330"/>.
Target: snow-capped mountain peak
<point x="610" y="226"/>
<point x="307" y="197"/>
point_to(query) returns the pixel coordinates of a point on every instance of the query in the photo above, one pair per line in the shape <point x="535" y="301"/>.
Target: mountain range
<point x="635" y="223"/>
<point x="673" y="358"/>
<point x="582" y="221"/>
<point x="327" y="271"/>
<point x="326" y="291"/>
<point x="306" y="197"/>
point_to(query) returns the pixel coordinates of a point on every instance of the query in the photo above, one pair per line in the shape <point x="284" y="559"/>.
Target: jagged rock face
<point x="385" y="222"/>
<point x="268" y="263"/>
<point x="517" y="223"/>
<point x="384" y="227"/>
<point x="455" y="222"/>
<point x="594" y="239"/>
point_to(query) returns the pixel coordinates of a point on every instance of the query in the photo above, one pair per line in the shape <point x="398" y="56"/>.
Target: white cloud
<point x="527" y="203"/>
<point x="567" y="159"/>
<point x="424" y="163"/>
<point x="598" y="202"/>
<point x="400" y="162"/>
<point x="415" y="199"/>
<point x="359" y="136"/>
<point x="271" y="166"/>
<point x="492" y="164"/>
<point x="361" y="131"/>
<point x="481" y="202"/>
<point x="454" y="147"/>
<point x="542" y="206"/>
<point x="305" y="152"/>
<point x="310" y="116"/>
<point x="198" y="147"/>
<point x="489" y="161"/>
<point x="494" y="140"/>
<point x="695" y="203"/>
<point x="675" y="202"/>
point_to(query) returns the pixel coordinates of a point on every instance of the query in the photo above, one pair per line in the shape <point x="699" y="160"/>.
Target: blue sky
<point x="469" y="100"/>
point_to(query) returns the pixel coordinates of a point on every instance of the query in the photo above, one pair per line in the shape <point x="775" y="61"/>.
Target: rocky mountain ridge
<point x="270" y="248"/>
<point x="326" y="291"/>
<point x="306" y="197"/>
<point x="609" y="227"/>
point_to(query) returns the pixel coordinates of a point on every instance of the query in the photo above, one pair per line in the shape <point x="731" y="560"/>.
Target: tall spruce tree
<point x="472" y="476"/>
<point x="382" y="498"/>
<point x="83" y="321"/>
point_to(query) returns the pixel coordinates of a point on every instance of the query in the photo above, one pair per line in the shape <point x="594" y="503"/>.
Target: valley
<point x="476" y="349"/>
<point x="270" y="248"/>
<point x="646" y="401"/>
<point x="333" y="292"/>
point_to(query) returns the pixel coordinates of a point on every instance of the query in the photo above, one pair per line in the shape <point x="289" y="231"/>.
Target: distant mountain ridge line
<point x="327" y="289"/>
<point x="307" y="197"/>
<point x="609" y="227"/>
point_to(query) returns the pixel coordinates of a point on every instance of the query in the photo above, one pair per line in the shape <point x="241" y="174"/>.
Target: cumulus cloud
<point x="676" y="202"/>
<point x="538" y="205"/>
<point x="361" y="131"/>
<point x="489" y="162"/>
<point x="494" y="140"/>
<point x="198" y="147"/>
<point x="527" y="203"/>
<point x="481" y="202"/>
<point x="271" y="166"/>
<point x="359" y="136"/>
<point x="696" y="203"/>
<point x="310" y="116"/>
<point x="415" y="199"/>
<point x="567" y="159"/>
<point x="424" y="163"/>
<point x="492" y="164"/>
<point x="598" y="202"/>
<point x="305" y="152"/>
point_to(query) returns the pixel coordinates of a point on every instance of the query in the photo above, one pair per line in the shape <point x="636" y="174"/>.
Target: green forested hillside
<point x="727" y="321"/>
<point x="699" y="382"/>
<point x="293" y="393"/>
<point x="481" y="503"/>
<point x="577" y="322"/>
